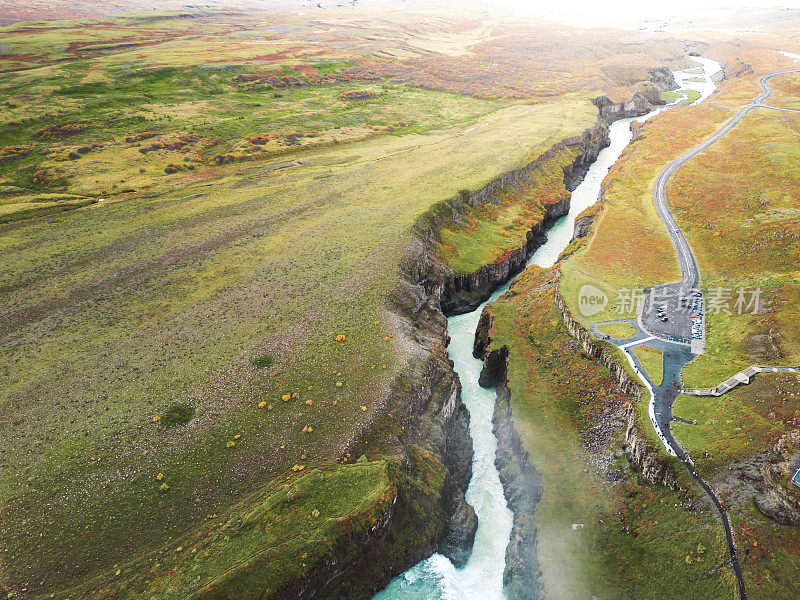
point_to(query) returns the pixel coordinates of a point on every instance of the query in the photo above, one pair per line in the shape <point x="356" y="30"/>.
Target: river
<point x="482" y="577"/>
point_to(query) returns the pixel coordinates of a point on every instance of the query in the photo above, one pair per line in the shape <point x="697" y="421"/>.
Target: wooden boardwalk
<point x="741" y="378"/>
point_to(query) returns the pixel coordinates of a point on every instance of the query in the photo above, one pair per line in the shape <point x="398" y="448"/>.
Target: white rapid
<point x="482" y="577"/>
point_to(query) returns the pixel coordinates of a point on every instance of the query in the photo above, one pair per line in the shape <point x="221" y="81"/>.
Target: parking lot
<point x="678" y="314"/>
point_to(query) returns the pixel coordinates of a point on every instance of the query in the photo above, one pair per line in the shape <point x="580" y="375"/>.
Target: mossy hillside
<point x="711" y="209"/>
<point x="168" y="293"/>
<point x="743" y="422"/>
<point x="771" y="552"/>
<point x="282" y="533"/>
<point x="496" y="228"/>
<point x="629" y="532"/>
<point x="489" y="231"/>
<point x="302" y="518"/>
<point x="731" y="338"/>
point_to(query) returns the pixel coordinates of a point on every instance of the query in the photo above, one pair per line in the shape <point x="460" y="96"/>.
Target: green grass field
<point x="222" y="286"/>
<point x="739" y="423"/>
<point x="688" y="96"/>
<point x="652" y="361"/>
<point x="617" y="330"/>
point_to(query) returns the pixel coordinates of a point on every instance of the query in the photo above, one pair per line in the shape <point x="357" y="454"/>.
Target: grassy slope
<point x="786" y="91"/>
<point x="261" y="226"/>
<point x="745" y="421"/>
<point x="289" y="527"/>
<point x="493" y="230"/>
<point x="739" y="423"/>
<point x="170" y="288"/>
<point x="632" y="534"/>
<point x="743" y="223"/>
<point x="618" y="257"/>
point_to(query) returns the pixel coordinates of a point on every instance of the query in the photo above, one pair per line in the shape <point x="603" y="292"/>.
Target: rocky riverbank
<point x="428" y="513"/>
<point x="641" y="102"/>
<point x="437" y="420"/>
<point x="463" y="292"/>
<point x="641" y="454"/>
<point x="522" y="484"/>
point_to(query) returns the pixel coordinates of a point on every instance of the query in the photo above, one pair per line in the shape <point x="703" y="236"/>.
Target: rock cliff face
<point x="423" y="518"/>
<point x="522" y="483"/>
<point x="442" y="420"/>
<point x="765" y="478"/>
<point x="642" y="457"/>
<point x="585" y="220"/>
<point x="460" y="293"/>
<point x="522" y="486"/>
<point x="642" y="102"/>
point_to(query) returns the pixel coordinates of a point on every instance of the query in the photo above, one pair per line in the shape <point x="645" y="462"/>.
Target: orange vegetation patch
<point x="60" y="131"/>
<point x="9" y="152"/>
<point x="309" y="78"/>
<point x="357" y="95"/>
<point x="536" y="62"/>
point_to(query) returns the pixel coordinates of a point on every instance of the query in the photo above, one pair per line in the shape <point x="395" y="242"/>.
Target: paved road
<point x="688" y="265"/>
<point x="652" y="331"/>
<point x="678" y="325"/>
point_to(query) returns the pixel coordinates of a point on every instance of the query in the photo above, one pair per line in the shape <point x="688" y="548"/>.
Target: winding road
<point x="686" y="260"/>
<point x="677" y="354"/>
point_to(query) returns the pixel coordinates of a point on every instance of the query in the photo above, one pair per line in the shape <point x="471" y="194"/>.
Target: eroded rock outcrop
<point x="522" y="483"/>
<point x="642" y="101"/>
<point x="765" y="478"/>
<point x="522" y="487"/>
<point x="461" y="293"/>
<point x="640" y="453"/>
